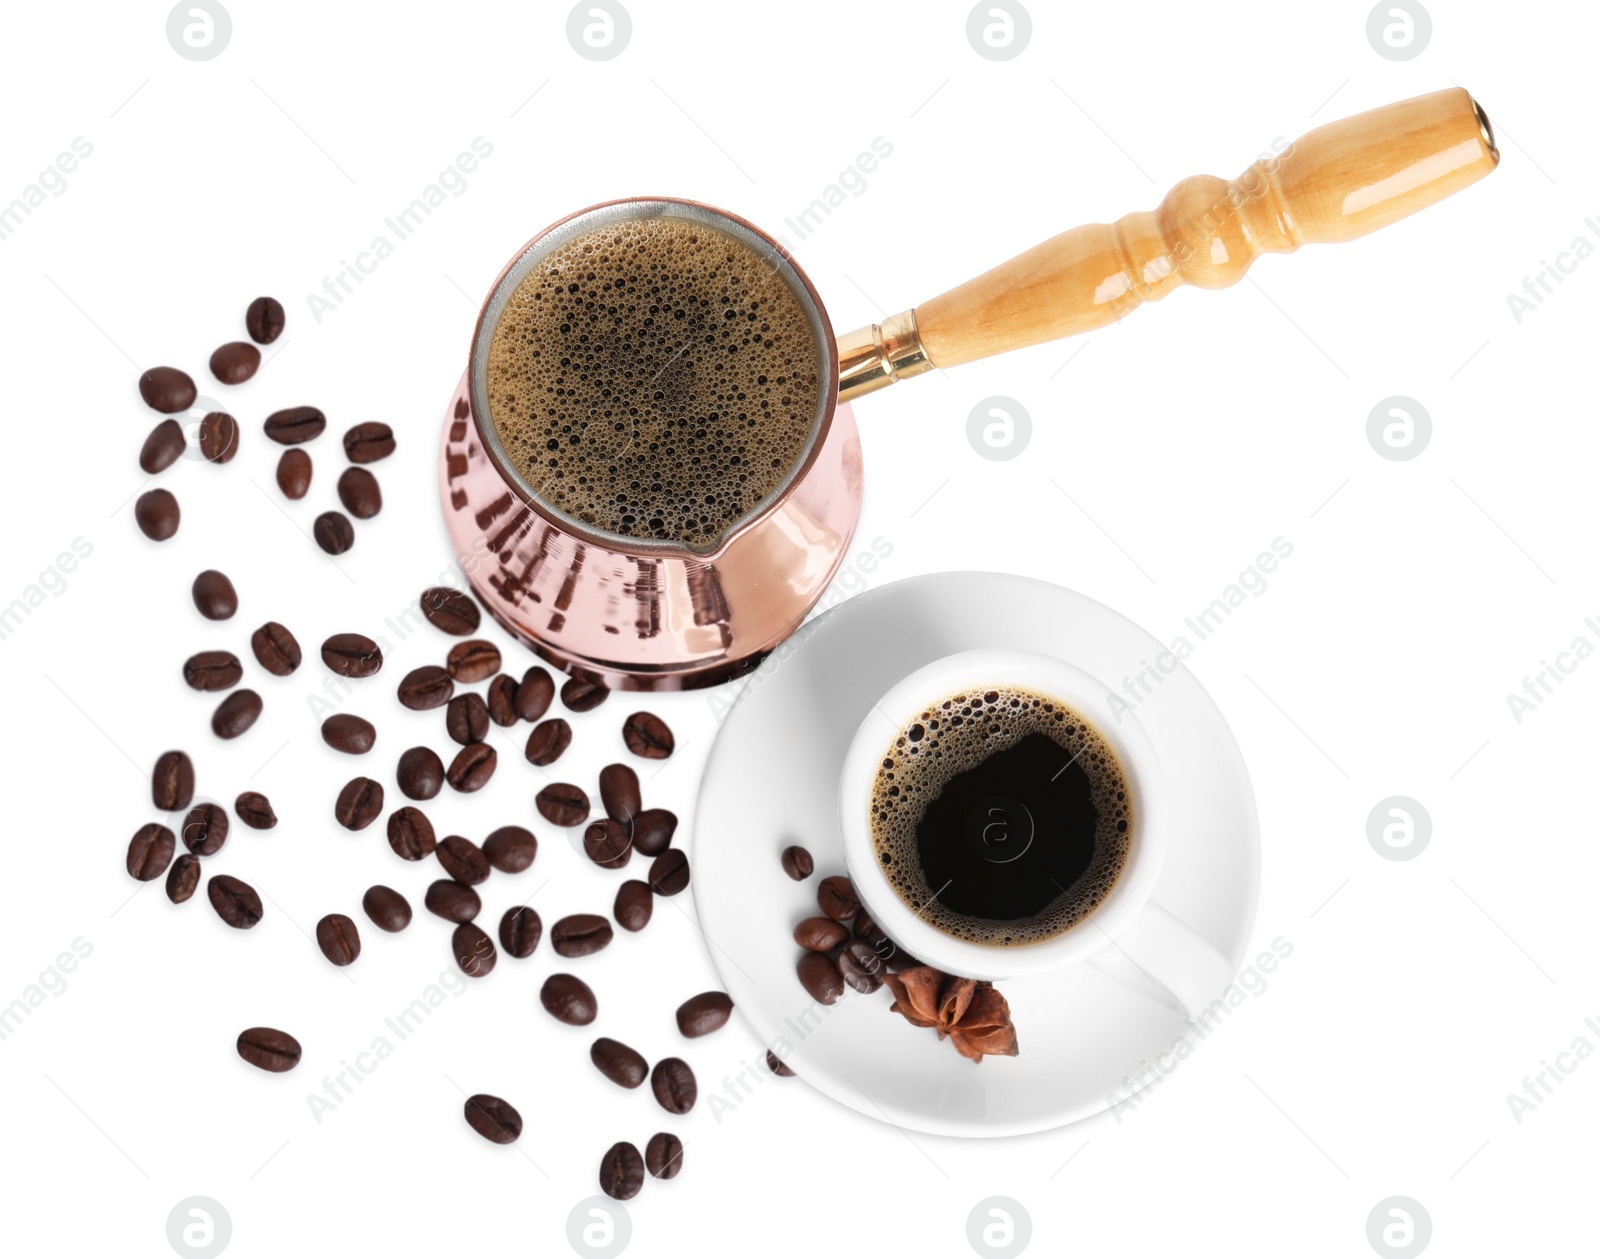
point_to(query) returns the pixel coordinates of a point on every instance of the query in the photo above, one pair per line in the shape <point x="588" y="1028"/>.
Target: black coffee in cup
<point x="1001" y="816"/>
<point x="654" y="378"/>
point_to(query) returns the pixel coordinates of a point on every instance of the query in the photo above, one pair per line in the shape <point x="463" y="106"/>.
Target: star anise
<point x="971" y="1012"/>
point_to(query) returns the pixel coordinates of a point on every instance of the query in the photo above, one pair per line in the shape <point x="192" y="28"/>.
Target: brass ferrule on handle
<point x="880" y="354"/>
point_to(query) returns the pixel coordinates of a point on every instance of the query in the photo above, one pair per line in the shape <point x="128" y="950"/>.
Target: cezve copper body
<point x="644" y="615"/>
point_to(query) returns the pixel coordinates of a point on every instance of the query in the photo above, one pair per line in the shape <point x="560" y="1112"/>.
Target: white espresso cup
<point x="1128" y="926"/>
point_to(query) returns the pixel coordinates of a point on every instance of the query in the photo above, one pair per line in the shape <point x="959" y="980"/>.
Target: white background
<point x="1166" y="453"/>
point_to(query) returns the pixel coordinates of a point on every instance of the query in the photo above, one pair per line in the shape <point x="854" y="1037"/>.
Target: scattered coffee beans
<point x="426" y="687"/>
<point x="276" y="649"/>
<point x="264" y="320"/>
<point x="473" y="660"/>
<point x="797" y="863"/>
<point x="214" y="595"/>
<point x="606" y="843"/>
<point x="777" y="1066"/>
<point x="234" y="900"/>
<point x="821" y="935"/>
<point x="619" y="793"/>
<point x="235" y="362"/>
<point x="449" y="610"/>
<point x="578" y="935"/>
<point x="359" y="492"/>
<point x="563" y="804"/>
<point x="634" y="903"/>
<point x="410" y="833"/>
<point x="368" y="442"/>
<point x="467" y="719"/>
<point x="168" y="390"/>
<point x="472" y="767"/>
<point x="268" y="1048"/>
<point x="150" y="851"/>
<point x="622" y="1171"/>
<point x="236" y="714"/>
<point x="352" y="655"/>
<point x="172" y="782"/>
<point x="548" y="741"/>
<point x="569" y="999"/>
<point x="653" y="830"/>
<point x="212" y="670"/>
<point x="462" y="860"/>
<point x="333" y="532"/>
<point x="451" y="901"/>
<point x="820" y="977"/>
<point x="338" y="939"/>
<point x="388" y="910"/>
<point x="183" y="878"/>
<point x="619" y="1063"/>
<point x="156" y="513"/>
<point x="255" y="811"/>
<point x="294" y="425"/>
<point x="162" y="448"/>
<point x="582" y="696"/>
<point x="501" y="700"/>
<point x="674" y="1086"/>
<point x="345" y="732"/>
<point x="474" y="950"/>
<point x="205" y="829"/>
<point x="510" y="849"/>
<point x="648" y="736"/>
<point x="860" y="966"/>
<point x="837" y="898"/>
<point x="663" y="1156"/>
<point x="420" y="773"/>
<point x="520" y="930"/>
<point x="218" y="437"/>
<point x="359" y="804"/>
<point x="493" y="1118"/>
<point x="534" y="694"/>
<point x="669" y="873"/>
<point x="703" y="1014"/>
<point x="294" y="473"/>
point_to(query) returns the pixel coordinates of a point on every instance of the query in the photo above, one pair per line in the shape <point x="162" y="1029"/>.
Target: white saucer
<point x="772" y="780"/>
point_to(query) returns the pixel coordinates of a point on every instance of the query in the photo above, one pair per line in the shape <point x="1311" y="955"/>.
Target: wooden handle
<point x="1338" y="182"/>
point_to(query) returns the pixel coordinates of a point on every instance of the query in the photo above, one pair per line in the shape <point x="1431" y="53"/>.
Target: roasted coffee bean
<point x="162" y="448"/>
<point x="205" y="829"/>
<point x="578" y="935"/>
<point x="669" y="873"/>
<point x="236" y="714"/>
<point x="452" y="901"/>
<point x="359" y="492"/>
<point x="520" y="930"/>
<point x="388" y="910"/>
<point x="472" y="768"/>
<point x="673" y="1084"/>
<point x="410" y="833"/>
<point x="276" y="649"/>
<point x="797" y="863"/>
<point x="635" y="901"/>
<point x="214" y="595"/>
<point x="172" y="782"/>
<point x="836" y="896"/>
<point x="334" y="532"/>
<point x="166" y="389"/>
<point x="474" y="950"/>
<point x="569" y="1000"/>
<point x="510" y="849"/>
<point x="860" y="966"/>
<point x="865" y="929"/>
<point x="420" y="772"/>
<point x="548" y="740"/>
<point x="368" y="442"/>
<point x="212" y="670"/>
<point x="264" y="320"/>
<point x="449" y="610"/>
<point x="234" y="900"/>
<point x="703" y="1014"/>
<point x="426" y="687"/>
<point x="493" y="1118"/>
<point x="268" y="1048"/>
<point x="821" y="935"/>
<point x="663" y="1156"/>
<point x="563" y="804"/>
<point x="582" y="696"/>
<point x="183" y="878"/>
<point x="501" y="700"/>
<point x="359" y="804"/>
<point x="218" y="437"/>
<point x="235" y="362"/>
<point x="619" y="1063"/>
<point x="820" y="977"/>
<point x="653" y="830"/>
<point x="606" y="843"/>
<point x="622" y="1171"/>
<point x="345" y="732"/>
<point x="619" y="792"/>
<point x="338" y="939"/>
<point x="157" y="515"/>
<point x="352" y="655"/>
<point x="462" y="860"/>
<point x="255" y="811"/>
<point x="648" y="736"/>
<point x="294" y="425"/>
<point x="467" y="719"/>
<point x="473" y="660"/>
<point x="777" y="1066"/>
<point x="150" y="851"/>
<point x="534" y="694"/>
<point x="294" y="473"/>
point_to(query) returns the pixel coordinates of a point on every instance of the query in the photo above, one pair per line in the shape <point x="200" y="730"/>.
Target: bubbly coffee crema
<point x="654" y="378"/>
<point x="975" y="757"/>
